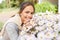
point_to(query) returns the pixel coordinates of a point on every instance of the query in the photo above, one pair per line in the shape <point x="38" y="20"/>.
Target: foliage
<point x="13" y="3"/>
<point x="3" y="5"/>
<point x="45" y="6"/>
<point x="1" y="24"/>
<point x="33" y="1"/>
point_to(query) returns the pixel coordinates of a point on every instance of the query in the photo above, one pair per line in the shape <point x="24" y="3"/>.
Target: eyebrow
<point x="29" y="11"/>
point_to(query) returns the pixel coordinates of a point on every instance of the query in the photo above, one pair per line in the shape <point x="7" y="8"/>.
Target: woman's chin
<point x="26" y="22"/>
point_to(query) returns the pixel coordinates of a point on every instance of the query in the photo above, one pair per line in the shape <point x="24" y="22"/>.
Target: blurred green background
<point x="8" y="7"/>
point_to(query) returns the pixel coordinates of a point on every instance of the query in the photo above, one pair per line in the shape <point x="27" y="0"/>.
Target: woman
<point x="14" y="24"/>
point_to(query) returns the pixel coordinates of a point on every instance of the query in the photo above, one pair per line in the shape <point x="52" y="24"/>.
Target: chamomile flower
<point x="45" y="26"/>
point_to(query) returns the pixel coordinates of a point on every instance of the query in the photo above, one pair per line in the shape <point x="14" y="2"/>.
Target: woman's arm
<point x="12" y="31"/>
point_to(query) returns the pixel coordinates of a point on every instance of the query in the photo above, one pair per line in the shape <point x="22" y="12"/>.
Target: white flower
<point x="49" y="24"/>
<point x="41" y="36"/>
<point x="40" y="28"/>
<point x="55" y="34"/>
<point x="50" y="17"/>
<point x="56" y="27"/>
<point x="47" y="27"/>
<point x="22" y="32"/>
<point x="41" y="22"/>
<point x="58" y="17"/>
<point x="58" y="37"/>
<point x="49" y="35"/>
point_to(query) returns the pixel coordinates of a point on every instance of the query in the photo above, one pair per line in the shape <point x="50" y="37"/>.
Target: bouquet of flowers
<point x="42" y="27"/>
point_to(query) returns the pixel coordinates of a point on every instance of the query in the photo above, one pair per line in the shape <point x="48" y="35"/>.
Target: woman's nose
<point x="30" y="16"/>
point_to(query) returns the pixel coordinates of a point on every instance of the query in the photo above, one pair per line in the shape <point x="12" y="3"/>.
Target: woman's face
<point x="27" y="14"/>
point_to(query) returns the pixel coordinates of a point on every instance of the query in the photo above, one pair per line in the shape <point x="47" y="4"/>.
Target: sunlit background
<point x="11" y="7"/>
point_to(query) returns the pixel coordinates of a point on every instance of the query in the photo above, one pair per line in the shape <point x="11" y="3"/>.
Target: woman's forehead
<point x="29" y="8"/>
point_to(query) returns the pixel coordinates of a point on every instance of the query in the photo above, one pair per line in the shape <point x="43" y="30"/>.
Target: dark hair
<point x="25" y="4"/>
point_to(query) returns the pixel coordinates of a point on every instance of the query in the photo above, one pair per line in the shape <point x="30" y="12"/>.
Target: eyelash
<point x="28" y="12"/>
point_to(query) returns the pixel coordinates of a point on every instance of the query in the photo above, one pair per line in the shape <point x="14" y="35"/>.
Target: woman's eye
<point x="32" y="13"/>
<point x="27" y="12"/>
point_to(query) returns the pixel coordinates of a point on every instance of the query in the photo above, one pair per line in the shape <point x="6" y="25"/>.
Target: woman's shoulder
<point x="16" y="19"/>
<point x="11" y="25"/>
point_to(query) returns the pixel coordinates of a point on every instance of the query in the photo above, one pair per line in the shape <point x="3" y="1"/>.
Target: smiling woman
<point x="26" y="15"/>
<point x="13" y="26"/>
